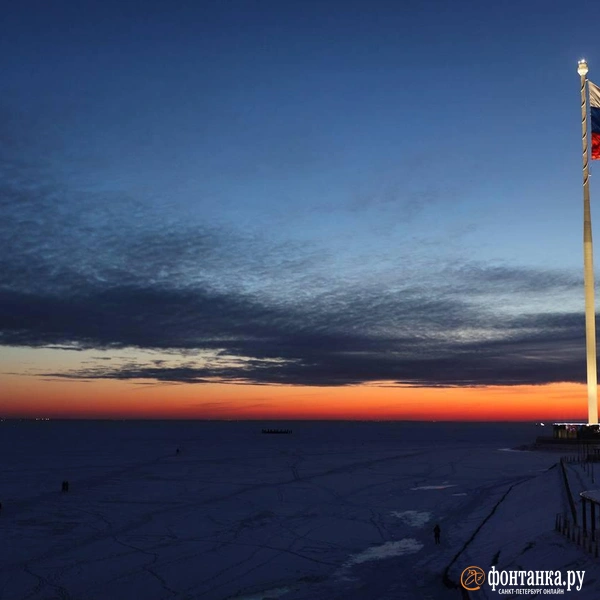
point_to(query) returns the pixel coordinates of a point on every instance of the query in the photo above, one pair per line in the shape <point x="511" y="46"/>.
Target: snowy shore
<point x="335" y="510"/>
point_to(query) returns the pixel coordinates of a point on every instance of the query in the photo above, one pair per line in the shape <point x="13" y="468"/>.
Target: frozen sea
<point x="335" y="510"/>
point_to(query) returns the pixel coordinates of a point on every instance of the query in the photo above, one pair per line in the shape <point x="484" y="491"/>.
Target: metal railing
<point x="568" y="491"/>
<point x="587" y="540"/>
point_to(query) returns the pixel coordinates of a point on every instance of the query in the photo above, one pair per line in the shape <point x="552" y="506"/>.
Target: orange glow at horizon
<point x="27" y="397"/>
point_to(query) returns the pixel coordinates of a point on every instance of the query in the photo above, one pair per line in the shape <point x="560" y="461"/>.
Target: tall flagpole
<point x="588" y="261"/>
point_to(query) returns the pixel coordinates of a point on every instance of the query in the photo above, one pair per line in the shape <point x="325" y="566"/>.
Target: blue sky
<point x="293" y="184"/>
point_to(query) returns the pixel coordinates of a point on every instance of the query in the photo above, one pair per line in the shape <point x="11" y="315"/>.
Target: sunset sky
<point x="317" y="209"/>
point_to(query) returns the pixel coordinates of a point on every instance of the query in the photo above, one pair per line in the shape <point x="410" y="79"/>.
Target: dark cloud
<point x="327" y="359"/>
<point x="487" y="279"/>
<point x="82" y="270"/>
<point x="333" y="341"/>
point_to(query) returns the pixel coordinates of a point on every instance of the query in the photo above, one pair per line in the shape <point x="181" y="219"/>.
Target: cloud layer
<point x="93" y="270"/>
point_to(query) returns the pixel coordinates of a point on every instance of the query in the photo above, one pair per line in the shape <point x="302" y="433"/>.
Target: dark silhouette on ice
<point x="65" y="486"/>
<point x="276" y="431"/>
<point x="436" y="533"/>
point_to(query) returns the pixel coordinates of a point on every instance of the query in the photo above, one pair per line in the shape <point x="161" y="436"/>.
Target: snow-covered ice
<point x="413" y="517"/>
<point x="335" y="510"/>
<point x="405" y="546"/>
<point x="433" y="487"/>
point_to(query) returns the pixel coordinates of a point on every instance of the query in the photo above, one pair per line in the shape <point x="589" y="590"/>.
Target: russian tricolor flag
<point x="595" y="114"/>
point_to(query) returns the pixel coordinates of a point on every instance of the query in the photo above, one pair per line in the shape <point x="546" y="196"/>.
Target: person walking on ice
<point x="436" y="533"/>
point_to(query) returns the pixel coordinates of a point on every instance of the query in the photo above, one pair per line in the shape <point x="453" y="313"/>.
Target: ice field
<point x="333" y="510"/>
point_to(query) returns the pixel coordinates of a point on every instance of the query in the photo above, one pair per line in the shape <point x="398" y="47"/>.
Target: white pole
<point x="588" y="261"/>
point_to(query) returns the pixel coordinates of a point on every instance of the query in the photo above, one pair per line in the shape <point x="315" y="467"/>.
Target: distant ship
<point x="276" y="431"/>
